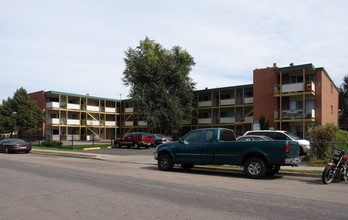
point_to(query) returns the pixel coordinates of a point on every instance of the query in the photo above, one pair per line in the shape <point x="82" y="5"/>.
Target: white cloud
<point x="78" y="46"/>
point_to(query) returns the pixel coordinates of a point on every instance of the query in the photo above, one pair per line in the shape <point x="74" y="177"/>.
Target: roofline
<point x="224" y="88"/>
<point x="82" y="96"/>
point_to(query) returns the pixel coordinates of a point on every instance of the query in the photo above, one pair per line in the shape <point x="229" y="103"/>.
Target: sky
<point x="78" y="46"/>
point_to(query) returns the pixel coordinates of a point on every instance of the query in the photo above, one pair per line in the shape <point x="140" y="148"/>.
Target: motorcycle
<point x="338" y="168"/>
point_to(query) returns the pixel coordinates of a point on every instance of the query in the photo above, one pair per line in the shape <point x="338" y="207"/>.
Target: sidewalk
<point x="149" y="160"/>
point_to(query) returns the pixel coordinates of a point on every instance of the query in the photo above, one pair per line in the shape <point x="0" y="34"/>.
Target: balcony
<point x="129" y="110"/>
<point x="92" y="123"/>
<point x="71" y="106"/>
<point x="249" y="119"/>
<point x="227" y="120"/>
<point x="109" y="109"/>
<point x="249" y="100"/>
<point x="204" y="121"/>
<point x="52" y="121"/>
<point x="92" y="108"/>
<point x="110" y="123"/>
<point x="73" y="122"/>
<point x="204" y="104"/>
<point x="50" y="105"/>
<point x="129" y="123"/>
<point x="294" y="88"/>
<point x="294" y="114"/>
<point x="227" y="102"/>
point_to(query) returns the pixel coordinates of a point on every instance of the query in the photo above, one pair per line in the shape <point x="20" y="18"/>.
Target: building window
<point x="331" y="109"/>
<point x="331" y="88"/>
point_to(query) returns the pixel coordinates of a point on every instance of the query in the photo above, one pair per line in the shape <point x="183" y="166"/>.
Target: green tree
<point x="343" y="103"/>
<point x="263" y="124"/>
<point x="160" y="84"/>
<point x="7" y="117"/>
<point x="20" y="114"/>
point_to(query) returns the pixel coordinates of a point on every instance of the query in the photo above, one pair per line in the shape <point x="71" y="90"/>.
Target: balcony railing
<point x="294" y="88"/>
<point x="248" y="100"/>
<point x="142" y="123"/>
<point x="295" y="114"/>
<point x="51" y="105"/>
<point x="110" y="123"/>
<point x="92" y="108"/>
<point x="109" y="109"/>
<point x="129" y="110"/>
<point x="204" y="121"/>
<point x="92" y="123"/>
<point x="249" y="119"/>
<point x="227" y="120"/>
<point x="227" y="102"/>
<point x="73" y="106"/>
<point x="52" y="121"/>
<point x="204" y="104"/>
<point x="129" y="123"/>
<point x="73" y="122"/>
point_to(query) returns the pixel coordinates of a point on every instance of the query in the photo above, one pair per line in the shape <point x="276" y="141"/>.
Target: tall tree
<point x="20" y="114"/>
<point x="7" y="117"/>
<point x="343" y="103"/>
<point x="160" y="84"/>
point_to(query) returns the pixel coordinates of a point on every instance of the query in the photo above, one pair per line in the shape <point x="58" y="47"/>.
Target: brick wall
<point x="264" y="101"/>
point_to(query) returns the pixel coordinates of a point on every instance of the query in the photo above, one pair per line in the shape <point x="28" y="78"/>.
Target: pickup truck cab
<point x="218" y="146"/>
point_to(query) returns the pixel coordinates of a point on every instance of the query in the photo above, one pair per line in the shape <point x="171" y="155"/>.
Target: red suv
<point x="135" y="139"/>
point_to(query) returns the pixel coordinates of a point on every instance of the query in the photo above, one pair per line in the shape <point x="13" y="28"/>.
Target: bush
<point x="320" y="135"/>
<point x="52" y="143"/>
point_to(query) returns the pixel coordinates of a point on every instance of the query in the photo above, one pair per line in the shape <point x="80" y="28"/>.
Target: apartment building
<point x="83" y="117"/>
<point x="229" y="107"/>
<point x="291" y="98"/>
<point x="295" y="97"/>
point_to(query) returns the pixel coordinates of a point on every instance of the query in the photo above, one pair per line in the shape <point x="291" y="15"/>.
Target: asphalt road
<point x="54" y="187"/>
<point x="122" y="151"/>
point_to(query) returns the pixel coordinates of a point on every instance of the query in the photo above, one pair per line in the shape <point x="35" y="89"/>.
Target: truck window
<point x="227" y="135"/>
<point x="209" y="135"/>
<point x="193" y="137"/>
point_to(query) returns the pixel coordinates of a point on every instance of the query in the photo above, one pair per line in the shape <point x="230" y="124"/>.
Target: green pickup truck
<point x="218" y="146"/>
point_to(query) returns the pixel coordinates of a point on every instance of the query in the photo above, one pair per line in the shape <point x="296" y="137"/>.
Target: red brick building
<point x="295" y="98"/>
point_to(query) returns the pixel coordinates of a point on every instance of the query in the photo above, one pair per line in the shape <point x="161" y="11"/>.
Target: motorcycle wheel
<point x="328" y="174"/>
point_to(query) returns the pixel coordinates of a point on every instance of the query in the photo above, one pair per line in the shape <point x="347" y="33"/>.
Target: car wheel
<point x="117" y="145"/>
<point x="27" y="151"/>
<point x="165" y="162"/>
<point x="6" y="150"/>
<point x="187" y="166"/>
<point x="136" y="145"/>
<point x="255" y="168"/>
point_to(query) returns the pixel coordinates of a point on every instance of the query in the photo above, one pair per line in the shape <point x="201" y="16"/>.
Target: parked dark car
<point x="254" y="138"/>
<point x="135" y="139"/>
<point x="14" y="145"/>
<point x="160" y="139"/>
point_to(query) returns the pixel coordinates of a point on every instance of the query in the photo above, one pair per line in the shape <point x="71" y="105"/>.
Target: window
<point x="227" y="135"/>
<point x="331" y="109"/>
<point x="331" y="88"/>
<point x="193" y="137"/>
<point x="209" y="135"/>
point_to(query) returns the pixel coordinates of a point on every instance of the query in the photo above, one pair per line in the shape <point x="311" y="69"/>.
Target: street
<point x="38" y="186"/>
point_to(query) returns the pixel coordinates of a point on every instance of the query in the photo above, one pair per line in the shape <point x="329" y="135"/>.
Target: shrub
<point x="52" y="143"/>
<point x="320" y="135"/>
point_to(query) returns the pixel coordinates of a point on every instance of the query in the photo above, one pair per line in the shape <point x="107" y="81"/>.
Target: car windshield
<point x="292" y="136"/>
<point x="18" y="141"/>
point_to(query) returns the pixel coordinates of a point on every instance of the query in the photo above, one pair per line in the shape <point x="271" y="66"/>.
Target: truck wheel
<point x="187" y="166"/>
<point x="136" y="145"/>
<point x="255" y="168"/>
<point x="165" y="162"/>
<point x="117" y="145"/>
